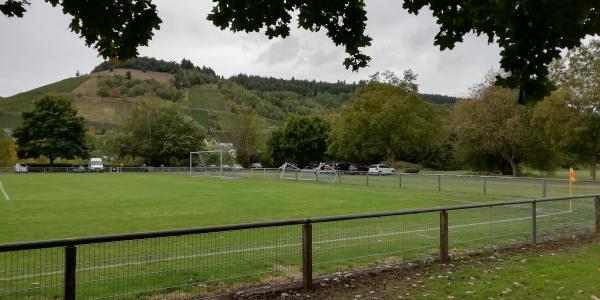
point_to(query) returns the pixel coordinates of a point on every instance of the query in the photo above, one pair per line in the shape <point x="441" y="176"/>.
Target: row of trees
<point x="155" y="133"/>
<point x="490" y="131"/>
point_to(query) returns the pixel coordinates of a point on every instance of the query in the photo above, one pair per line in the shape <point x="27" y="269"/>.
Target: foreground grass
<point x="555" y="274"/>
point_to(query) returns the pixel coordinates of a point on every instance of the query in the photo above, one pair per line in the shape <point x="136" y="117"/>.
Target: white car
<point x="381" y="169"/>
<point x="21" y="168"/>
<point x="95" y="165"/>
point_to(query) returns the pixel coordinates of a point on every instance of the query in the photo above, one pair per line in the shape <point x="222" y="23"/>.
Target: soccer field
<point x="59" y="205"/>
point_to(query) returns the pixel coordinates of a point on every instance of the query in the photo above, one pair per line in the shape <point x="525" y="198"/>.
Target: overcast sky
<point x="40" y="49"/>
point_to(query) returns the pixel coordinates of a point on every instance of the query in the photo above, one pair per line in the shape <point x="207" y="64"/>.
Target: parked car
<point x="411" y="170"/>
<point x="381" y="169"/>
<point x="342" y="166"/>
<point x="21" y="168"/>
<point x="96" y="165"/>
<point x="357" y="168"/>
<point x="256" y="166"/>
<point x="79" y="169"/>
<point x="237" y="167"/>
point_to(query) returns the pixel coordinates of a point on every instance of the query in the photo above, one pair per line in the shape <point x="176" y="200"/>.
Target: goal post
<point x="322" y="173"/>
<point x="206" y="163"/>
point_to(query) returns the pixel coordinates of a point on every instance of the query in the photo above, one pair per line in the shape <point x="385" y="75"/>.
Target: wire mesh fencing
<point x="214" y="261"/>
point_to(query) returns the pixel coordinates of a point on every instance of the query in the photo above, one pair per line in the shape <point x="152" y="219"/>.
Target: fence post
<point x="69" y="276"/>
<point x="340" y="175"/>
<point x="439" y="183"/>
<point x="264" y="173"/>
<point x="597" y="205"/>
<point x="307" y="256"/>
<point x="534" y="222"/>
<point x="296" y="174"/>
<point x="400" y="181"/>
<point x="544" y="188"/>
<point x="367" y="178"/>
<point x="484" y="186"/>
<point x="444" y="236"/>
<point x="316" y="176"/>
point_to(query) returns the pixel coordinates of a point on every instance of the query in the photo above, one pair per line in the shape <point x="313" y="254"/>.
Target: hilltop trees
<point x="300" y="140"/>
<point x="385" y="120"/>
<point x="52" y="129"/>
<point x="157" y="134"/>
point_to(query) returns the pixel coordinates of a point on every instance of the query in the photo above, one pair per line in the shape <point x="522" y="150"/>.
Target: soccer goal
<point x="321" y="173"/>
<point x="215" y="163"/>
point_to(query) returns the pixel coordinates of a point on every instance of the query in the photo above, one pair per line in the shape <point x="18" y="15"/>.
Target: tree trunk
<point x="514" y="167"/>
<point x="51" y="161"/>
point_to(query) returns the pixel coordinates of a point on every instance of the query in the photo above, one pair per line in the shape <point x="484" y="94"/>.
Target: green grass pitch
<point x="52" y="206"/>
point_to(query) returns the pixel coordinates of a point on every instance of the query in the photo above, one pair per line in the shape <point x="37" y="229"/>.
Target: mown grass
<point x="49" y="206"/>
<point x="571" y="274"/>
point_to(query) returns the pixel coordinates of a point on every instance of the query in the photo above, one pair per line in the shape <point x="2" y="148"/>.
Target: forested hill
<point x="306" y="88"/>
<point x="111" y="91"/>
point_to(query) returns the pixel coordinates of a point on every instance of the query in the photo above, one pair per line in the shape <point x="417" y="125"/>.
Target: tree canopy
<point x="157" y="134"/>
<point x="494" y="133"/>
<point x="52" y="129"/>
<point x="301" y="140"/>
<point x="385" y="120"/>
<point x="578" y="76"/>
<point x="530" y="33"/>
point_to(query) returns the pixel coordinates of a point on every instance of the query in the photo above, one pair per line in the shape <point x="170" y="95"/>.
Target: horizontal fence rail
<point x="198" y="262"/>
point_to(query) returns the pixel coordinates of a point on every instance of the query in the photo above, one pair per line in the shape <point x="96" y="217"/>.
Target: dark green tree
<point x="385" y="120"/>
<point x="52" y="129"/>
<point x="301" y="140"/>
<point x="156" y="134"/>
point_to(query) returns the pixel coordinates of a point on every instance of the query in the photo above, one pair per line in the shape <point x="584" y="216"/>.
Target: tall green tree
<point x="579" y="75"/>
<point x="246" y="137"/>
<point x="52" y="129"/>
<point x="7" y="151"/>
<point x="530" y="33"/>
<point x="385" y="120"/>
<point x="300" y="140"/>
<point x="156" y="134"/>
<point x="493" y="130"/>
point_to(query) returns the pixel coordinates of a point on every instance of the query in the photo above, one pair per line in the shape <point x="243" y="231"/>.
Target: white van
<point x="96" y="165"/>
<point x="21" y="168"/>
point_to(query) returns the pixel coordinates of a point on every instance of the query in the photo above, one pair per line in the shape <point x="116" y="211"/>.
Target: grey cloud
<point x="39" y="48"/>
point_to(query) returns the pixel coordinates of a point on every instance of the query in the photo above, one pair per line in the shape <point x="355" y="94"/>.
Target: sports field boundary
<point x="4" y="193"/>
<point x="15" y="275"/>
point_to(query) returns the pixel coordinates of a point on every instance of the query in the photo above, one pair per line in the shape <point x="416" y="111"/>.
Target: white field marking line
<point x="135" y="263"/>
<point x="4" y="192"/>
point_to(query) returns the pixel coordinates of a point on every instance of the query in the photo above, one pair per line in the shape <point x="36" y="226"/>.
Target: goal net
<point x="216" y="163"/>
<point x="321" y="173"/>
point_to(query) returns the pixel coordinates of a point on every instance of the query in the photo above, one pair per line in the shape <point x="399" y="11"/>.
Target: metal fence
<point x="208" y="261"/>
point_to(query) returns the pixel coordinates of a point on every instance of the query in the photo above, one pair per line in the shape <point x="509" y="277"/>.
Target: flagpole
<point x="571" y="180"/>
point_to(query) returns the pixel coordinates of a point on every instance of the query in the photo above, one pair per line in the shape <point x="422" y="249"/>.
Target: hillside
<point x="106" y="96"/>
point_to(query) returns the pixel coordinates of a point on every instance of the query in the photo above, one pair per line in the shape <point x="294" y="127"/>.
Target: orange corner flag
<point x="572" y="177"/>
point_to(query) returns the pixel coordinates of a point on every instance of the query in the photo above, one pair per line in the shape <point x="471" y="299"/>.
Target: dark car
<point x="358" y="168"/>
<point x="342" y="166"/>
